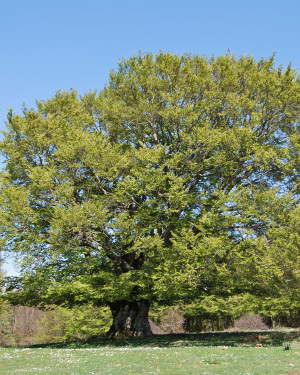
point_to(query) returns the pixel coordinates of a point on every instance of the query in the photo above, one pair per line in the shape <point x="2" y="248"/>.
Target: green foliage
<point x="178" y="182"/>
<point x="6" y="337"/>
<point x="85" y="322"/>
<point x="59" y="324"/>
<point x="6" y="334"/>
<point x="2" y="301"/>
<point x="22" y="325"/>
<point x="51" y="327"/>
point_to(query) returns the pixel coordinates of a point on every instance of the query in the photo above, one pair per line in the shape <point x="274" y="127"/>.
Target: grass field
<point x="223" y="353"/>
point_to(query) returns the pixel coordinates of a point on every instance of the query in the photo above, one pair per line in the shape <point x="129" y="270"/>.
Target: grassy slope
<point x="224" y="353"/>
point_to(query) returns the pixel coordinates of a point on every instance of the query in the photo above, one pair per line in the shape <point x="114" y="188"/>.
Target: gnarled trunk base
<point x="130" y="319"/>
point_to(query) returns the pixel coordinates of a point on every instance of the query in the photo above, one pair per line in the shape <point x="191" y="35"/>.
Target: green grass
<point x="176" y="354"/>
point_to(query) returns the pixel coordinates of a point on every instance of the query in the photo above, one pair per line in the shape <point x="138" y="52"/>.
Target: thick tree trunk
<point x="130" y="319"/>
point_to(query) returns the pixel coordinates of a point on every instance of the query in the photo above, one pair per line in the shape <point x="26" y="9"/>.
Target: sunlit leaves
<point x="180" y="179"/>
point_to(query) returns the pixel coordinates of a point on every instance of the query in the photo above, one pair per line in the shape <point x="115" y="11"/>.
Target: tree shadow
<point x="232" y="339"/>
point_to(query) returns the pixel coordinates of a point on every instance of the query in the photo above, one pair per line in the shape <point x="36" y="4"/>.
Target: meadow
<point x="212" y="353"/>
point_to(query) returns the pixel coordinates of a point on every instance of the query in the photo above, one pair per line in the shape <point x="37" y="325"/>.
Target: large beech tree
<point x="178" y="181"/>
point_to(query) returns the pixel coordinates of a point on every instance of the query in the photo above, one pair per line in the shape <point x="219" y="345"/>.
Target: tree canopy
<point x="178" y="181"/>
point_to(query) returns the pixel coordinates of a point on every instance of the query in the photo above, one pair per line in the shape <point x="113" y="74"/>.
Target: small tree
<point x="166" y="186"/>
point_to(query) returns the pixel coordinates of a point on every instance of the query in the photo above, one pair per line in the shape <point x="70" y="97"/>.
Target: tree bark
<point x="130" y="319"/>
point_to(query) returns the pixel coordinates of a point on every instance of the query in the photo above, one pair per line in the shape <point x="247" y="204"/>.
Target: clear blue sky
<point x="47" y="45"/>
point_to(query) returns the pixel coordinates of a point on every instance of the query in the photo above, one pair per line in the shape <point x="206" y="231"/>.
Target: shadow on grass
<point x="267" y="338"/>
